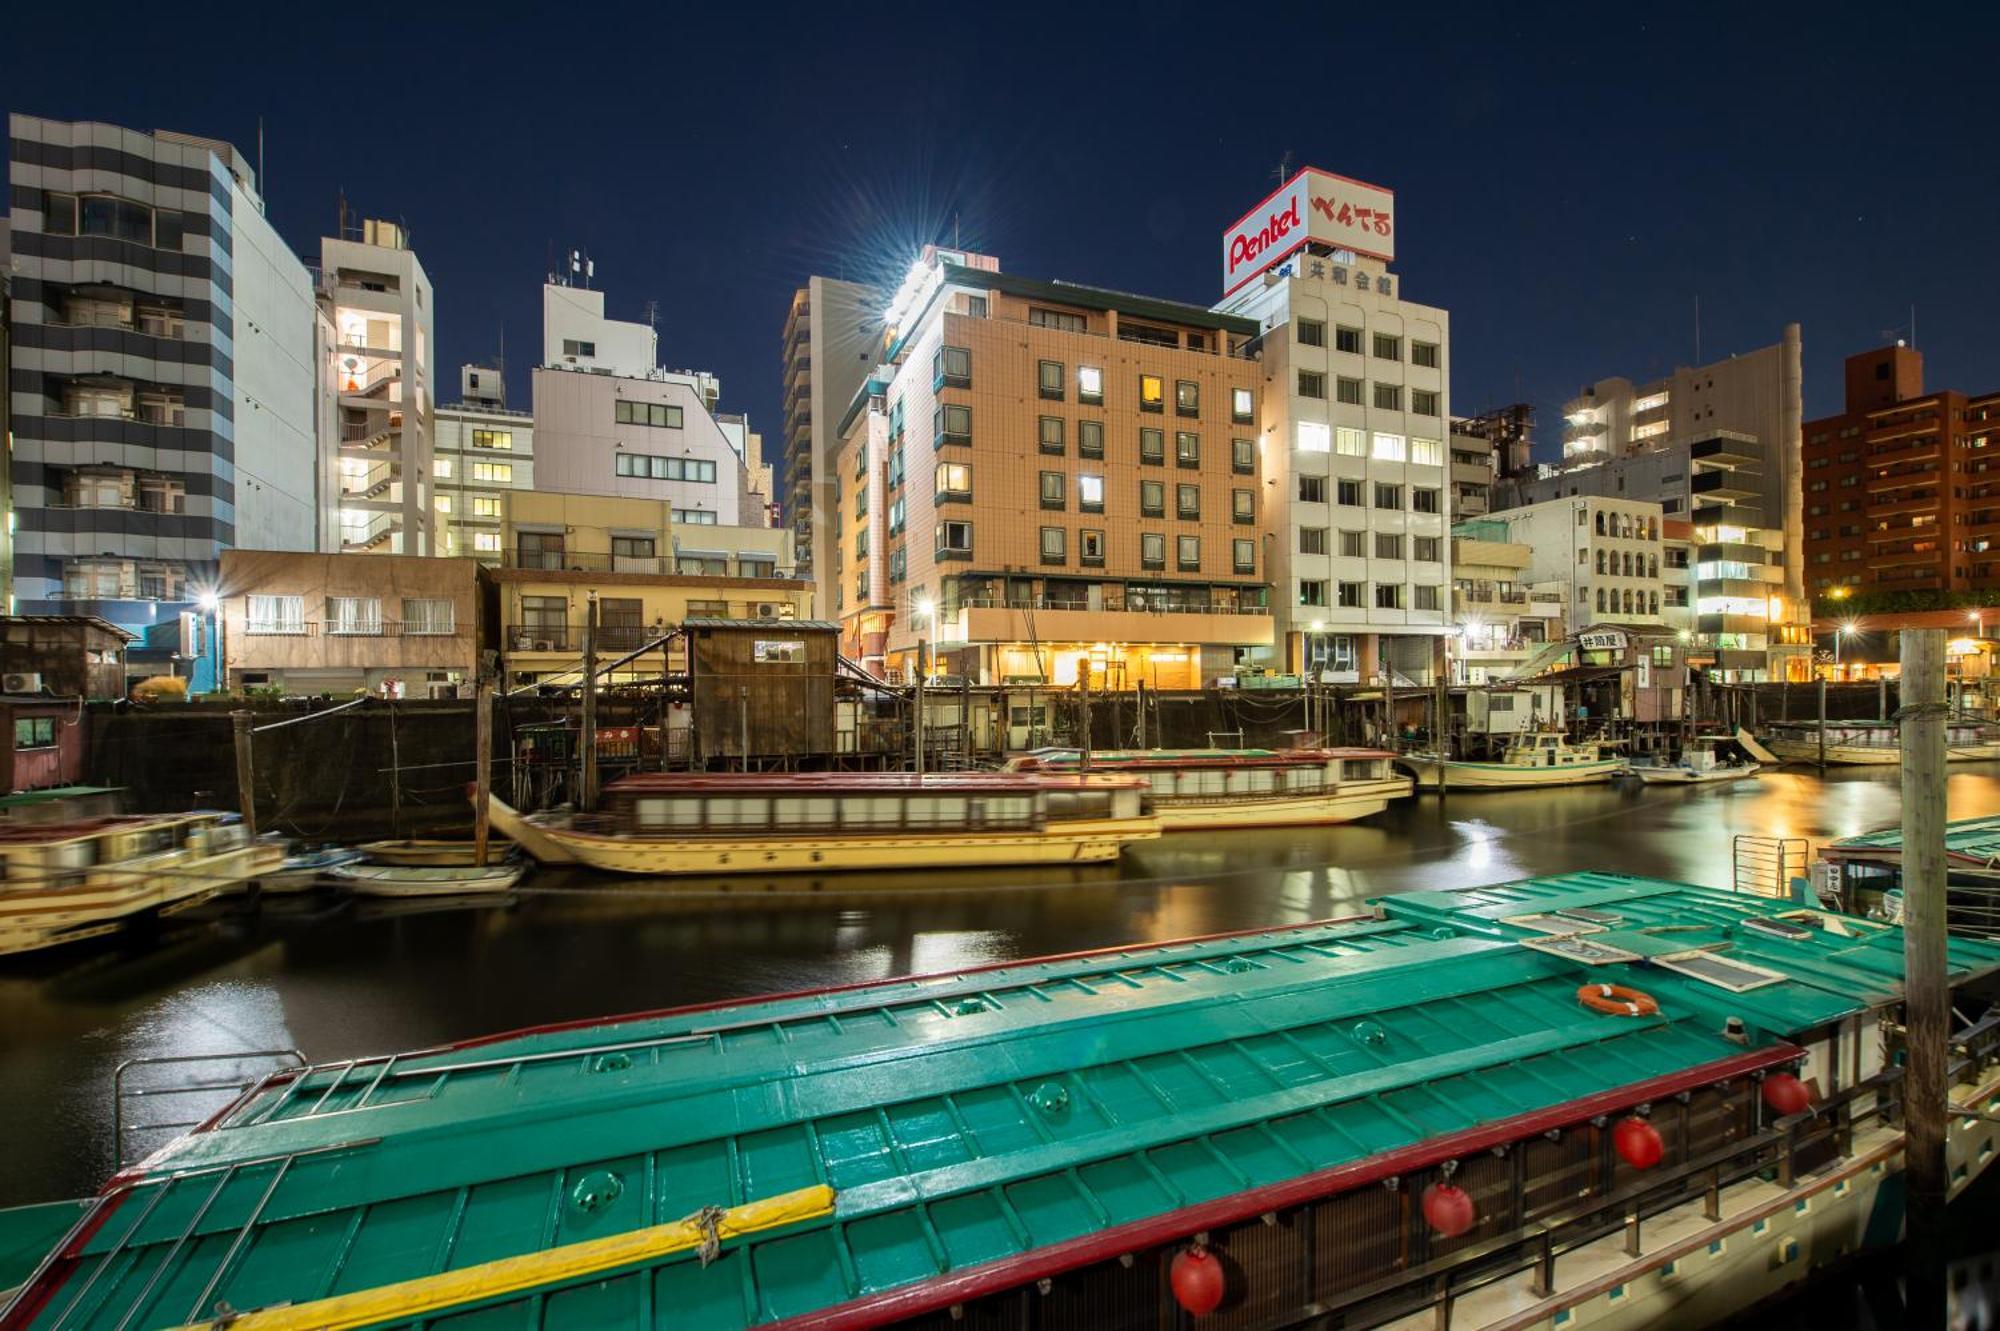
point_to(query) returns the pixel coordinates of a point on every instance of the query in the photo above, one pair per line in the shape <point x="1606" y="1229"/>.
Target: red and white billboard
<point x="1312" y="205"/>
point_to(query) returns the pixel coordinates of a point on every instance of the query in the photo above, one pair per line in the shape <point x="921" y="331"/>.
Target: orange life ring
<point x="1617" y="1000"/>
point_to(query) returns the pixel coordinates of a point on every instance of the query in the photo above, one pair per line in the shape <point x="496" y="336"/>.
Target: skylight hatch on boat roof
<point x="1573" y="921"/>
<point x="1603" y="919"/>
<point x="1775" y="928"/>
<point x="1723" y="973"/>
<point x="1571" y="947"/>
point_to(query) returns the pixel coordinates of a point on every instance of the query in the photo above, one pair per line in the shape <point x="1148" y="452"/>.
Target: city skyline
<point x="1579" y="256"/>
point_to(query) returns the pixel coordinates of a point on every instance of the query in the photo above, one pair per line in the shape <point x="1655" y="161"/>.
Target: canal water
<point x="337" y="978"/>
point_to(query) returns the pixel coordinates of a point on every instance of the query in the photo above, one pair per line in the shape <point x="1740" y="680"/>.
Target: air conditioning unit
<point x="24" y="681"/>
<point x="543" y="645"/>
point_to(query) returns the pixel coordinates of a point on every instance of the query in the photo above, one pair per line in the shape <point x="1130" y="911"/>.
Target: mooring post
<point x="1083" y="748"/>
<point x="482" y="758"/>
<point x="586" y="798"/>
<point x="1822" y="725"/>
<point x="1927" y="988"/>
<point x="246" y="775"/>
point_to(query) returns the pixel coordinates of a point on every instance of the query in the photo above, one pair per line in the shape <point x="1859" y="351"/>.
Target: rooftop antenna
<point x="1284" y="171"/>
<point x="260" y="158"/>
<point x="652" y="311"/>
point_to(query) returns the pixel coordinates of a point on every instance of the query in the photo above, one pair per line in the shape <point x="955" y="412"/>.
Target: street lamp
<point x="920" y="614"/>
<point x="1846" y="630"/>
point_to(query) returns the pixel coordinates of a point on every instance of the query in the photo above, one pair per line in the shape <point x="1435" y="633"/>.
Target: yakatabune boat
<point x="1216" y="788"/>
<point x="1874" y="743"/>
<point x="1579" y="1098"/>
<point x="673" y="823"/>
<point x="64" y="881"/>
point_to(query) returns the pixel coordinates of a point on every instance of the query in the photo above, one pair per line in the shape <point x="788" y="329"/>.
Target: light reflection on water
<point x="339" y="981"/>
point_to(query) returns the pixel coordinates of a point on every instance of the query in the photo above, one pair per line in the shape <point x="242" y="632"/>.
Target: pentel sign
<point x="1313" y="205"/>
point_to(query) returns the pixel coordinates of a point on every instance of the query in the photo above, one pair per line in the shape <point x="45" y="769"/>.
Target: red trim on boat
<point x="1056" y="1258"/>
<point x="655" y="1014"/>
<point x="28" y="1305"/>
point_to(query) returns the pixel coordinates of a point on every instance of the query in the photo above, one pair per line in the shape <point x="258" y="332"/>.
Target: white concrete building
<point x="379" y="301"/>
<point x="577" y="336"/>
<point x="483" y="452"/>
<point x="1356" y="414"/>
<point x="1606" y="551"/>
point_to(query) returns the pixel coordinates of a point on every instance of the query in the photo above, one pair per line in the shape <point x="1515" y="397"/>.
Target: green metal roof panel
<point x="1975" y="839"/>
<point x="961" y="1119"/>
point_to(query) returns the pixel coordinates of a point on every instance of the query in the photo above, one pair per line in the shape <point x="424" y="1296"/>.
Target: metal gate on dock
<point x="1764" y="866"/>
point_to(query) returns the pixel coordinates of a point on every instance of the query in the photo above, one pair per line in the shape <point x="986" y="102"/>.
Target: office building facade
<point x="483" y="452"/>
<point x="832" y="340"/>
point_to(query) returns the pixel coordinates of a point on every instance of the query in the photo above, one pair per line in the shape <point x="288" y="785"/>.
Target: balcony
<point x="355" y="628"/>
<point x="1911" y="504"/>
<point x="1720" y="485"/>
<point x="1903" y="480"/>
<point x="745" y="564"/>
<point x="1727" y="448"/>
<point x="1112" y="621"/>
<point x="568" y="638"/>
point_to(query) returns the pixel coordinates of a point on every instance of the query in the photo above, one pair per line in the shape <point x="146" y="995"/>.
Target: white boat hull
<point x="392" y="880"/>
<point x="1351" y="800"/>
<point x="1688" y="776"/>
<point x="1452" y="774"/>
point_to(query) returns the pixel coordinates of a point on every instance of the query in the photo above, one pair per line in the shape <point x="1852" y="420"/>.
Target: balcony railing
<point x="1114" y="603"/>
<point x="359" y="628"/>
<point x="568" y="637"/>
<point x="658" y="565"/>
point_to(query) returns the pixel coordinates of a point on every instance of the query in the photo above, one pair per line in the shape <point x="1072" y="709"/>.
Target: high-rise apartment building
<point x="1354" y="420"/>
<point x="483" y="453"/>
<point x="832" y="339"/>
<point x="1046" y="483"/>
<point x="163" y="381"/>
<point x="378" y="300"/>
<point x="1902" y="489"/>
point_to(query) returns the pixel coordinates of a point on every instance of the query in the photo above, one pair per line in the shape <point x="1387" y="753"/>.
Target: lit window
<point x="1089" y="384"/>
<point x="1389" y="448"/>
<point x="1314" y="437"/>
<point x="1427" y="452"/>
<point x="1090" y="493"/>
<point x="488" y="541"/>
<point x="441" y="468"/>
<point x="1350" y="442"/>
<point x="1241" y="405"/>
<point x="1152" y="393"/>
<point x="499" y="473"/>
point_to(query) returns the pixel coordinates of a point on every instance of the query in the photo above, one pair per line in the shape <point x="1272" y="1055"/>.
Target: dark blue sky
<point x="1567" y="182"/>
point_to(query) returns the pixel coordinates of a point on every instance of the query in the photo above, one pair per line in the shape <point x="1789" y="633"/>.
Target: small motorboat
<point x="1709" y="759"/>
<point x="437" y="852"/>
<point x="304" y="870"/>
<point x="428" y="880"/>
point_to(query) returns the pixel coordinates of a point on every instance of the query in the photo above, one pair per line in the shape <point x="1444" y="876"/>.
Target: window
<point x="1052" y="489"/>
<point x="1243" y="556"/>
<point x="1600" y="561"/>
<point x="486" y="506"/>
<point x="1187" y="397"/>
<point x="1187" y="500"/>
<point x="277" y="615"/>
<point x="1312" y="333"/>
<point x="665" y="469"/>
<point x="1313" y="437"/>
<point x="1152" y="499"/>
<point x="573" y="348"/>
<point x="1387" y="347"/>
<point x="659" y="415"/>
<point x="1423" y="402"/>
<point x="1424" y="354"/>
<point x="696" y="517"/>
<point x="443" y="503"/>
<point x="1347" y="339"/>
<point x="498" y="473"/>
<point x="1348" y="391"/>
<point x="425" y="617"/>
<point x="954" y="538"/>
<point x="105" y="215"/>
<point x="1090" y="548"/>
<point x="1152" y="393"/>
<point x="1243" y="456"/>
<point x="952" y="423"/>
<point x="1312" y="591"/>
<point x="951" y="367"/>
<point x="1243" y="506"/>
<point x="1388" y="596"/>
<point x="1388" y="496"/>
<point x="1054" y="545"/>
<point x="1312" y="540"/>
<point x="953" y="481"/>
<point x="1187" y="448"/>
<point x="1389" y="448"/>
<point x="1062" y="320"/>
<point x="1423" y="500"/>
<point x="1600" y="600"/>
<point x="1090" y="493"/>
<point x="1389" y="397"/>
<point x="1089" y="384"/>
<point x="1424" y="549"/>
<point x="1427" y="598"/>
<point x="1426" y="452"/>
<point x="899" y="514"/>
<point x="1153" y="446"/>
<point x="1353" y="544"/>
<point x="1388" y="545"/>
<point x="1350" y="442"/>
<point x="1350" y="595"/>
<point x="1312" y="384"/>
<point x="1242" y="405"/>
<point x="353" y="615"/>
<point x="497" y="439"/>
<point x="34" y="732"/>
<point x="1152" y="550"/>
<point x="441" y="468"/>
<point x="1049" y="434"/>
<point x="1049" y="379"/>
<point x="1187" y="553"/>
<point x="1312" y="489"/>
<point x="1348" y="493"/>
<point x="1090" y="439"/>
<point x="486" y="542"/>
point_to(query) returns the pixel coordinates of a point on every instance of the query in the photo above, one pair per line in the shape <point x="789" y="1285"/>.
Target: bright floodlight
<point x="208" y="601"/>
<point x="923" y="608"/>
<point x="1849" y="628"/>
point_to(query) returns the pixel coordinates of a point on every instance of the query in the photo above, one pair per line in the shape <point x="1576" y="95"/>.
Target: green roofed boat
<point x="1591" y="1097"/>
<point x="1864" y="874"/>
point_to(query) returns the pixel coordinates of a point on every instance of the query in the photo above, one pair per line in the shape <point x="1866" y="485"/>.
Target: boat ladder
<point x="1764" y="866"/>
<point x="221" y="1077"/>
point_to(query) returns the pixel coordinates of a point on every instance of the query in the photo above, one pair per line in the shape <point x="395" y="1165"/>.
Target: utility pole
<point x="246" y="775"/>
<point x="482" y="756"/>
<point x="917" y="712"/>
<point x="1926" y="985"/>
<point x="1083" y="745"/>
<point x="586" y="797"/>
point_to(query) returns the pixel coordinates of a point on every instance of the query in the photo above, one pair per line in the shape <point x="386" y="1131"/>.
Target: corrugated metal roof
<point x="1975" y="839"/>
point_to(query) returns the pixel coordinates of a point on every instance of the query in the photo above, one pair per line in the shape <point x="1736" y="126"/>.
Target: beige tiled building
<point x="1045" y="481"/>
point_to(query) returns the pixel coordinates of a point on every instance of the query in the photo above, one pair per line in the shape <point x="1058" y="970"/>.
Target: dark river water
<point x="337" y="978"/>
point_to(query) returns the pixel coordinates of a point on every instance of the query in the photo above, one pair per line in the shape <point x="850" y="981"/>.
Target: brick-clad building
<point x="1043" y="480"/>
<point x="1902" y="490"/>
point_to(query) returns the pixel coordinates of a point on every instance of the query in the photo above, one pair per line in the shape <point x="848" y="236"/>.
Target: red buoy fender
<point x="1448" y="1209"/>
<point x="1638" y="1142"/>
<point x="1198" y="1281"/>
<point x="1786" y="1094"/>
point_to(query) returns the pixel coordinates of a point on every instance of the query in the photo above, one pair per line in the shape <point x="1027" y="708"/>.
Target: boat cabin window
<point x="1360" y="769"/>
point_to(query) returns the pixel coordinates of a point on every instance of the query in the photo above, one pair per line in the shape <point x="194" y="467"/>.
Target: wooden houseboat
<point x="1875" y="743"/>
<point x="1864" y="874"/>
<point x="1536" y="759"/>
<point x="1543" y="1103"/>
<point x="1221" y="788"/>
<point x="65" y="881"/>
<point x="669" y="823"/>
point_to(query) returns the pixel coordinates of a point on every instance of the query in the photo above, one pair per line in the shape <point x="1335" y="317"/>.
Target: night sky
<point x="1567" y="184"/>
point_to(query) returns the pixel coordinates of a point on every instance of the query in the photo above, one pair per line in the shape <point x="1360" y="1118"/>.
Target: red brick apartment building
<point x="1902" y="490"/>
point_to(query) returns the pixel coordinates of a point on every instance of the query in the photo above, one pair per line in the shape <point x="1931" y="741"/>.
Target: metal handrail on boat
<point x="121" y="1093"/>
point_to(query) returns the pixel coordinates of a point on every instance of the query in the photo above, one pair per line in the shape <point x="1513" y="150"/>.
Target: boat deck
<point x="975" y="1130"/>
